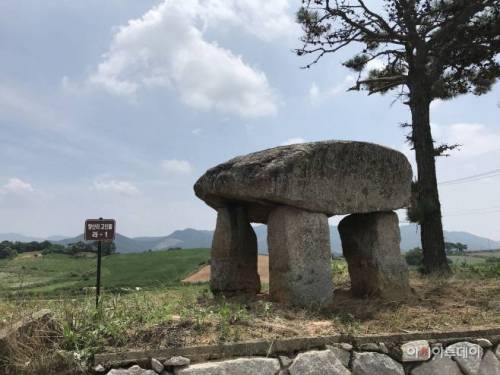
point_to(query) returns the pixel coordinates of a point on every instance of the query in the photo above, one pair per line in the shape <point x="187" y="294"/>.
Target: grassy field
<point x="54" y="274"/>
<point x="165" y="313"/>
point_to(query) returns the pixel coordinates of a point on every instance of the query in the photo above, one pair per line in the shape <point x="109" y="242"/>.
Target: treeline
<point x="10" y="249"/>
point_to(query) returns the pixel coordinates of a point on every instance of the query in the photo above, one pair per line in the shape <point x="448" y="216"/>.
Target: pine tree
<point x="430" y="49"/>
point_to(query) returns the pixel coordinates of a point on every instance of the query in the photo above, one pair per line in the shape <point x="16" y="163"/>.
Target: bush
<point x="7" y="252"/>
<point x="415" y="257"/>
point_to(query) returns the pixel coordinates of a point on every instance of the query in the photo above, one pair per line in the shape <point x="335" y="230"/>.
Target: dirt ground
<point x="203" y="274"/>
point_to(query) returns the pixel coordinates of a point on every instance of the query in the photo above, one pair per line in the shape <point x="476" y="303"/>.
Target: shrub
<point x="414" y="257"/>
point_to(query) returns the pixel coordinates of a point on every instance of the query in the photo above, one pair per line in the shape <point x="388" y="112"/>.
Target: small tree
<point x="7" y="252"/>
<point x="428" y="49"/>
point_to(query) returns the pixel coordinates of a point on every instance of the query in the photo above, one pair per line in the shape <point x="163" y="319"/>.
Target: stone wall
<point x="447" y="355"/>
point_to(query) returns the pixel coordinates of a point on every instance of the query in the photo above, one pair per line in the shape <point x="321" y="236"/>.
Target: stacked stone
<point x="414" y="358"/>
<point x="294" y="190"/>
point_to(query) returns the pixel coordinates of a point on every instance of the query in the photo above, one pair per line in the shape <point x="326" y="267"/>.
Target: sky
<point x="115" y="108"/>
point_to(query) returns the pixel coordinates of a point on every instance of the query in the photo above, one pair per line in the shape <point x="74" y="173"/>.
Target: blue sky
<point x="115" y="108"/>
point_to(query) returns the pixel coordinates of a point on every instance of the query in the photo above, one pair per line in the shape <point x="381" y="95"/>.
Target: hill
<point x="194" y="238"/>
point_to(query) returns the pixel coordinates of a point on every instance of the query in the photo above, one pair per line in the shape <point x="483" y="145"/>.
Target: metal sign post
<point x="99" y="230"/>
<point x="98" y="281"/>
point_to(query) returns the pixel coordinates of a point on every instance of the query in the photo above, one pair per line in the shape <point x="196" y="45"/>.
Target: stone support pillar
<point x="371" y="247"/>
<point x="234" y="254"/>
<point x="299" y="257"/>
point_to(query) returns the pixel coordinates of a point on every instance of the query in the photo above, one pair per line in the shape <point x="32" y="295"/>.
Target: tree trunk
<point x="429" y="207"/>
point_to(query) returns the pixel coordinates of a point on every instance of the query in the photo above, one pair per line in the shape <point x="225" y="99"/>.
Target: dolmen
<point x="294" y="190"/>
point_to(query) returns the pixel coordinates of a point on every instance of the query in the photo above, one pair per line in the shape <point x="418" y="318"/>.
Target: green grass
<point x="57" y="274"/>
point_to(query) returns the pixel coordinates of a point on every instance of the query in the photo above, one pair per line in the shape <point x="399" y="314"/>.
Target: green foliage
<point x="358" y="62"/>
<point x="484" y="270"/>
<point x="54" y="273"/>
<point x="452" y="51"/>
<point x="7" y="252"/>
<point x="414" y="257"/>
<point x="455" y="248"/>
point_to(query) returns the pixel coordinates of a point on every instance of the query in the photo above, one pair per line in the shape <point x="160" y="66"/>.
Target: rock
<point x="332" y="177"/>
<point x="157" y="365"/>
<point x="483" y="343"/>
<point x="99" y="369"/>
<point x="299" y="257"/>
<point x="240" y="366"/>
<point x="285" y="361"/>
<point x="317" y="363"/>
<point x="497" y="351"/>
<point x="490" y="364"/>
<point x="383" y="348"/>
<point x="371" y="363"/>
<point x="233" y="267"/>
<point x="437" y="366"/>
<point x="467" y="355"/>
<point x="369" y="347"/>
<point x="177" y="361"/>
<point x="371" y="246"/>
<point x="165" y="372"/>
<point x="134" y="370"/>
<point x="345" y="346"/>
<point x="119" y="371"/>
<point x="343" y="355"/>
<point x="416" y="351"/>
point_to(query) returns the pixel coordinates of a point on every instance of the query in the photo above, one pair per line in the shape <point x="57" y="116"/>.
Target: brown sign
<point x="100" y="230"/>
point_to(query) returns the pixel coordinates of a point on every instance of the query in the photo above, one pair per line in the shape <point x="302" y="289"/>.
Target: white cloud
<point x="196" y="131"/>
<point x="176" y="167"/>
<point x="115" y="186"/>
<point x="293" y="141"/>
<point x="476" y="139"/>
<point x="167" y="48"/>
<point x="317" y="95"/>
<point x="16" y="185"/>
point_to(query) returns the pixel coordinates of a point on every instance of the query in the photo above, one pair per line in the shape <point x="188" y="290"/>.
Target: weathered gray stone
<point x="157" y="365"/>
<point x="371" y="246"/>
<point x="383" y="348"/>
<point x="497" y="351"/>
<point x="234" y="254"/>
<point x="490" y="364"/>
<point x="483" y="343"/>
<point x="416" y="351"/>
<point x="467" y="355"/>
<point x="99" y="369"/>
<point x="332" y="177"/>
<point x="343" y="355"/>
<point x="299" y="257"/>
<point x="437" y="366"/>
<point x="369" y="363"/>
<point x="345" y="346"/>
<point x="240" y="366"/>
<point x="134" y="370"/>
<point x="315" y="362"/>
<point x="369" y="347"/>
<point x="118" y="371"/>
<point x="285" y="361"/>
<point x="177" y="361"/>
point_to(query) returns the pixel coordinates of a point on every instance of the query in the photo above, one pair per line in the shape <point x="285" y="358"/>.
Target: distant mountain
<point x="194" y="238"/>
<point x="410" y="238"/>
<point x="18" y="237"/>
<point x="185" y="239"/>
<point x="123" y="244"/>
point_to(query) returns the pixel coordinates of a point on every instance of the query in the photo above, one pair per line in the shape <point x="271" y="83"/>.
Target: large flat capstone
<point x="330" y="177"/>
